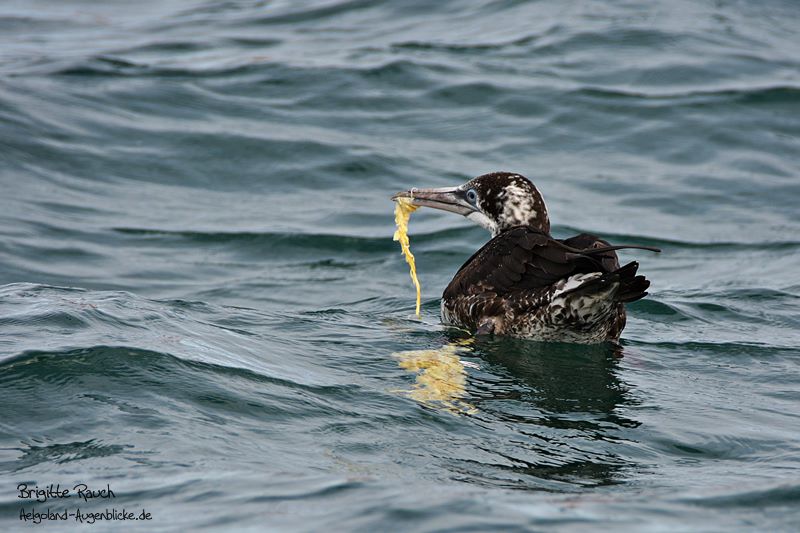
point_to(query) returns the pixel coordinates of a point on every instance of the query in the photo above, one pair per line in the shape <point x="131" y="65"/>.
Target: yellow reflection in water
<point x="441" y="376"/>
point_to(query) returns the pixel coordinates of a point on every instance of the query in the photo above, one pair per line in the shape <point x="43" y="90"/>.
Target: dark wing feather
<point x="609" y="260"/>
<point x="523" y="258"/>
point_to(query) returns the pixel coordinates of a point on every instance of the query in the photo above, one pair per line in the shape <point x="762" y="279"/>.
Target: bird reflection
<point x="560" y="380"/>
<point x="554" y="410"/>
<point x="566" y="400"/>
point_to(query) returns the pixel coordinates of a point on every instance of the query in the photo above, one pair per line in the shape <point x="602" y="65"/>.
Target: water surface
<point x="202" y="307"/>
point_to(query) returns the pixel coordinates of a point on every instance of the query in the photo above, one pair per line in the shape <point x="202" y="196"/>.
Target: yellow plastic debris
<point x="402" y="212"/>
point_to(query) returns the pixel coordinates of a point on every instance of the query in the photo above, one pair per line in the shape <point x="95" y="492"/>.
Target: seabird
<point x="525" y="283"/>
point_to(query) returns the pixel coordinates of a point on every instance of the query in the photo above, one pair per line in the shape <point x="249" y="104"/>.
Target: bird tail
<point x="631" y="287"/>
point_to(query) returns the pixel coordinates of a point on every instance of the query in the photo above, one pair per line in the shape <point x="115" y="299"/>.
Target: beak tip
<point x="402" y="194"/>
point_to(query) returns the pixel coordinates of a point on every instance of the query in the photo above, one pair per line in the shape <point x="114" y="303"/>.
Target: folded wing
<point x="524" y="259"/>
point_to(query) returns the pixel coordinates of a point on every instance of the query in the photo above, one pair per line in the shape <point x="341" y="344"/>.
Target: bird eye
<point x="472" y="196"/>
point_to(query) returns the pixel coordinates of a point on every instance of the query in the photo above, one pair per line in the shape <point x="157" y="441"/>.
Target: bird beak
<point x="451" y="199"/>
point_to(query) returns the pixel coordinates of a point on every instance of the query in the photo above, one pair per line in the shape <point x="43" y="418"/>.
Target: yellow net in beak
<point x="402" y="212"/>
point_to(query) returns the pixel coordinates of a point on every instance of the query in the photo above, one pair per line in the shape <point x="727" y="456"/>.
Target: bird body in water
<point x="525" y="283"/>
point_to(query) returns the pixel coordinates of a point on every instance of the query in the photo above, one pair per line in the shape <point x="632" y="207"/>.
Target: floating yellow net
<point x="402" y="212"/>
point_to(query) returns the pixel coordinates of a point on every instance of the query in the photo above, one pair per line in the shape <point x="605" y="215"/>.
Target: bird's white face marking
<point x="483" y="221"/>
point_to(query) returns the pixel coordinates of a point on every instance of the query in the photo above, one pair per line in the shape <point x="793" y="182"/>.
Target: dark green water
<point x="200" y="299"/>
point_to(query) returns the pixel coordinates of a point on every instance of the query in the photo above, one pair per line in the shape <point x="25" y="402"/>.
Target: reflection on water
<point x="557" y="412"/>
<point x="561" y="380"/>
<point x="441" y="376"/>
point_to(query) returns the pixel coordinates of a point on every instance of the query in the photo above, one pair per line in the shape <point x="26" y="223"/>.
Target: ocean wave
<point x="782" y="495"/>
<point x="70" y="318"/>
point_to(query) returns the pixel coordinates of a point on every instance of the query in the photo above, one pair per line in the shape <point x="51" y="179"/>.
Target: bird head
<point x="496" y="201"/>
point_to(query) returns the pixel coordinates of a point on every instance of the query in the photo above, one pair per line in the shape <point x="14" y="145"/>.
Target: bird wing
<point x="587" y="241"/>
<point x="524" y="259"/>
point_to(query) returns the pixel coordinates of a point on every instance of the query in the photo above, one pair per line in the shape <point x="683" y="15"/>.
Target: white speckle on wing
<point x="573" y="282"/>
